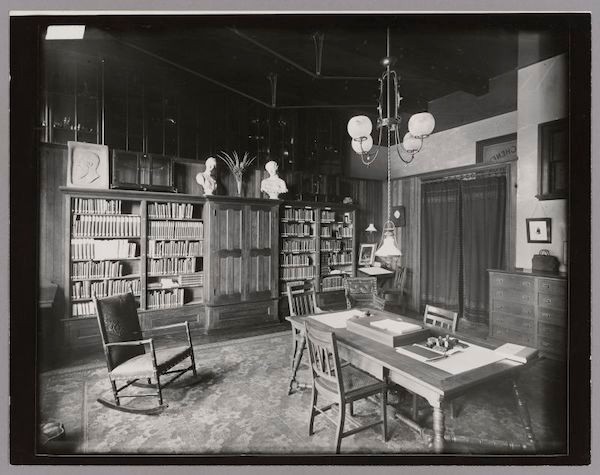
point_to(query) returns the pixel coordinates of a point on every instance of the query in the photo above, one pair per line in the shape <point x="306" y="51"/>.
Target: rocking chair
<point x="126" y="356"/>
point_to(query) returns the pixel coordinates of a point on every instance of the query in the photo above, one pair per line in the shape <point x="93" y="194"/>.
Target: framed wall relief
<point x="87" y="165"/>
<point x="497" y="149"/>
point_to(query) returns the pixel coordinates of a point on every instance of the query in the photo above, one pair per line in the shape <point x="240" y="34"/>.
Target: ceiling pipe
<point x="296" y="65"/>
<point x="236" y="91"/>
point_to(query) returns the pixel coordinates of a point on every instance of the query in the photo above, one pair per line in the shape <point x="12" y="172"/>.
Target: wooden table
<point x="434" y="385"/>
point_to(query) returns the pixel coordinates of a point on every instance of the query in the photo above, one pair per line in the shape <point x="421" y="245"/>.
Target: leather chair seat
<point x="141" y="365"/>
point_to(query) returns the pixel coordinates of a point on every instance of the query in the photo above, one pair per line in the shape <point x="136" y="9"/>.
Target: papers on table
<point x="337" y="319"/>
<point x="518" y="353"/>
<point x="395" y="326"/>
<point x="375" y="271"/>
<point x="464" y="359"/>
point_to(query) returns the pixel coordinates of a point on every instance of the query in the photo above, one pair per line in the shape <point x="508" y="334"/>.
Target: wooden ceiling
<point x="436" y="54"/>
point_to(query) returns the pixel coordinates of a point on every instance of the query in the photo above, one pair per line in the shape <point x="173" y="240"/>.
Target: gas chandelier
<point x="360" y="127"/>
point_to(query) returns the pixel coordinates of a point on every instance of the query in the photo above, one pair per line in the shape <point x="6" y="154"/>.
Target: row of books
<point x="298" y="246"/>
<point x="81" y="309"/>
<point x="296" y="260"/>
<point x="333" y="259"/>
<point x="172" y="265"/>
<point x="297" y="229"/>
<point x="297" y="273"/>
<point x="96" y="270"/>
<point x="174" y="248"/>
<point x="332" y="283"/>
<point x="176" y="230"/>
<point x="96" y="206"/>
<point x="327" y="215"/>
<point x="106" y="226"/>
<point x="171" y="210"/>
<point x="165" y="298"/>
<point x="339" y="232"/>
<point x="196" y="278"/>
<point x="298" y="214"/>
<point x="336" y="246"/>
<point x="102" y="249"/>
<point x="86" y="289"/>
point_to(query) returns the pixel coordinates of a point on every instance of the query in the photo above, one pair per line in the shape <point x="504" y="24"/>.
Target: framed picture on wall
<point x="539" y="230"/>
<point x="398" y="216"/>
<point x="366" y="256"/>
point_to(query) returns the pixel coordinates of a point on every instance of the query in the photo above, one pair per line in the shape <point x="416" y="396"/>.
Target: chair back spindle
<point x="323" y="356"/>
<point x="301" y="299"/>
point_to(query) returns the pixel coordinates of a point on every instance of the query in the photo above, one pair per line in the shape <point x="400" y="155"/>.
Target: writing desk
<point x="433" y="384"/>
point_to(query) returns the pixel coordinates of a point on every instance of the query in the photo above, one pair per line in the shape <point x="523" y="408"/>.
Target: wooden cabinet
<point x="243" y="262"/>
<point x="529" y="309"/>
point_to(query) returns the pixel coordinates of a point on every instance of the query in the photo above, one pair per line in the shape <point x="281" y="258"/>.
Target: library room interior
<point x="336" y="235"/>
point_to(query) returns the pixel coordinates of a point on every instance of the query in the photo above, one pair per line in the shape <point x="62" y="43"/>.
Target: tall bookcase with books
<point x="318" y="245"/>
<point x="105" y="246"/>
<point x="175" y="271"/>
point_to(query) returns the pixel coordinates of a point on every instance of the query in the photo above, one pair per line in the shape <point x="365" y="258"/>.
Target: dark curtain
<point x="483" y="234"/>
<point x="440" y="244"/>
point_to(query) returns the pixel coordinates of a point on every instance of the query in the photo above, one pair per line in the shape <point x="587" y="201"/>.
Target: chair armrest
<point x="147" y="341"/>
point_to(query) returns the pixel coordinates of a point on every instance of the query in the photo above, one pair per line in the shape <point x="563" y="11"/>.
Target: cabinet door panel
<point x="227" y="269"/>
<point x="261" y="224"/>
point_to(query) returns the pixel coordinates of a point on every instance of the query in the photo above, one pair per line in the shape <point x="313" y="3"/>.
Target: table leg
<point x="297" y="358"/>
<point x="438" y="429"/>
<point x="524" y="413"/>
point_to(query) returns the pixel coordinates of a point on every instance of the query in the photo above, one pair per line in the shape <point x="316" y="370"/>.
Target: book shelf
<point x="318" y="244"/>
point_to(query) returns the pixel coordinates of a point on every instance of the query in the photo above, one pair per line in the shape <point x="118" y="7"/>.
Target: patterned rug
<point x="240" y="406"/>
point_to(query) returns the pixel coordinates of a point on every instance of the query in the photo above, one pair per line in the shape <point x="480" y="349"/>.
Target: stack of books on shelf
<point x="98" y="270"/>
<point x="332" y="283"/>
<point x="297" y="230"/>
<point x="96" y="206"/>
<point x="291" y="260"/>
<point x="171" y="210"/>
<point x="296" y="273"/>
<point x="342" y="258"/>
<point x="298" y="246"/>
<point x="172" y="265"/>
<point x="106" y="226"/>
<point x="176" y="230"/>
<point x="174" y="248"/>
<point x="102" y="249"/>
<point x="192" y="280"/>
<point x="106" y="288"/>
<point x="165" y="298"/>
<point x="83" y="309"/>
<point x="298" y="214"/>
<point x="327" y="216"/>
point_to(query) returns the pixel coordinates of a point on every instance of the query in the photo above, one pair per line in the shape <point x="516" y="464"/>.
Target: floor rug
<point x="240" y="406"/>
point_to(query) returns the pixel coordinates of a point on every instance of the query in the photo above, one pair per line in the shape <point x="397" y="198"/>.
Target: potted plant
<point x="237" y="166"/>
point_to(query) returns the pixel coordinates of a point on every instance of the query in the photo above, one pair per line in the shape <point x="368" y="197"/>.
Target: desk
<point x="375" y="271"/>
<point x="433" y="384"/>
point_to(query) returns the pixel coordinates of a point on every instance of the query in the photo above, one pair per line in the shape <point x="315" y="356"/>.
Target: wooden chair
<point x="302" y="300"/>
<point x="362" y="291"/>
<point x="339" y="384"/>
<point x="440" y="317"/>
<point x="445" y="319"/>
<point x="394" y="296"/>
<point x="126" y="356"/>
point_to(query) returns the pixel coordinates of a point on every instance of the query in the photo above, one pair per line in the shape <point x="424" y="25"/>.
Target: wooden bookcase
<point x="318" y="244"/>
<point x="211" y="261"/>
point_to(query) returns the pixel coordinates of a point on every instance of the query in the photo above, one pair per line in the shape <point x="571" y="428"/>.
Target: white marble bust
<point x="206" y="179"/>
<point x="273" y="185"/>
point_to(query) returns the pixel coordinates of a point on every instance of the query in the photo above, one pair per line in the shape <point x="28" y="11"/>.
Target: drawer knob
<point x="548" y="300"/>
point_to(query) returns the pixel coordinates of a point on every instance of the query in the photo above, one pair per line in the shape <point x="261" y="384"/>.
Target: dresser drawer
<point x="511" y="322"/>
<point x="512" y="336"/>
<point x="516" y="282"/>
<point x="554" y="301"/>
<point x="552" y="286"/>
<point x="511" y="295"/>
<point x="513" y="308"/>
<point x="554" y="348"/>
<point x="553" y="332"/>
<point x="553" y="316"/>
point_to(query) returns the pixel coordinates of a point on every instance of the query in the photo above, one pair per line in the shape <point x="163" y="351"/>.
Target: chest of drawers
<point x="529" y="309"/>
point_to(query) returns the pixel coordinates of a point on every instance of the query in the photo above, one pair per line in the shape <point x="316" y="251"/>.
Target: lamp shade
<point x="371" y="228"/>
<point x="421" y="125"/>
<point x="360" y="126"/>
<point x="411" y="144"/>
<point x="388" y="247"/>
<point x="362" y="146"/>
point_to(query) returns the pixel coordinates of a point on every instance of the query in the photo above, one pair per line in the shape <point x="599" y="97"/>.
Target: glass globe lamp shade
<point x="360" y="126"/>
<point x="411" y="144"/>
<point x="362" y="146"/>
<point x="388" y="247"/>
<point x="421" y="125"/>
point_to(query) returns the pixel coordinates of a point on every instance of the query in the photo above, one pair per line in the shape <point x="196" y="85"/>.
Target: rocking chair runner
<point x="126" y="356"/>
